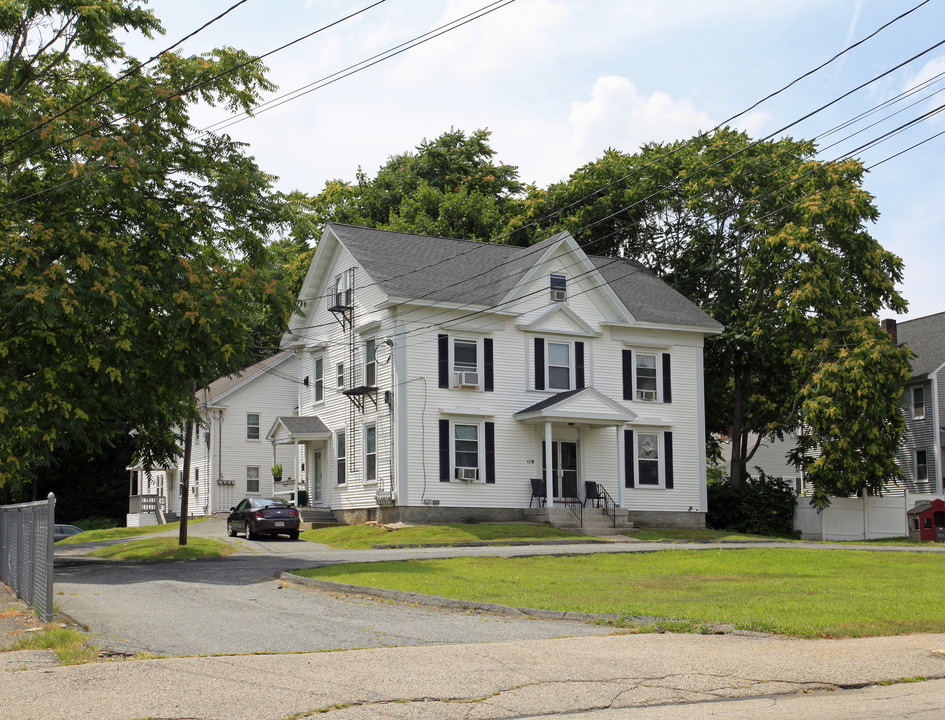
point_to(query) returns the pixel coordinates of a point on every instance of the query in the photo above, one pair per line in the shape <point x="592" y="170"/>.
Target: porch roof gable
<point x="290" y="429"/>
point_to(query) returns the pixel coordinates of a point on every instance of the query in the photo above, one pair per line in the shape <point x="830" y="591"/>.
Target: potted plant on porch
<point x="277" y="472"/>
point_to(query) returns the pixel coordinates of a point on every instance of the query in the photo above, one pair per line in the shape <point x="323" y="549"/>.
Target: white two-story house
<point x="439" y="377"/>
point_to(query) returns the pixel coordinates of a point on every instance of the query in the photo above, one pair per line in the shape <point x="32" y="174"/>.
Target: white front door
<point x="316" y="477"/>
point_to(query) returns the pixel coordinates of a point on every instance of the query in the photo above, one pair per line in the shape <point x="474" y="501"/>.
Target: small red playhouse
<point x="927" y="521"/>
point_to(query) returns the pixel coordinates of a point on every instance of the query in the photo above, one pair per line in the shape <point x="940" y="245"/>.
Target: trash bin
<point x="303" y="498"/>
<point x="940" y="534"/>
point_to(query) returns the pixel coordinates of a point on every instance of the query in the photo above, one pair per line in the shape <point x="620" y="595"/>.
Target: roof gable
<point x="925" y="336"/>
<point x="221" y="388"/>
<point x="585" y="405"/>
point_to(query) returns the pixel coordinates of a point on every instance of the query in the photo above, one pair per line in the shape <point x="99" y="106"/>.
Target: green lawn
<point x="164" y="548"/>
<point x="117" y="533"/>
<point x="361" y="537"/>
<point x="807" y="593"/>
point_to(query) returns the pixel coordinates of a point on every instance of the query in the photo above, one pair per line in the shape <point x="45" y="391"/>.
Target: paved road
<point x="448" y="664"/>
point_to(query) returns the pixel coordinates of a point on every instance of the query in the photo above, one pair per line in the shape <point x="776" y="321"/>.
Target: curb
<point x="450" y="603"/>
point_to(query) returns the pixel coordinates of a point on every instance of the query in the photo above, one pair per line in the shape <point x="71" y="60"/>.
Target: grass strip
<point x="69" y="644"/>
<point x="164" y="548"/>
<point x="789" y="591"/>
<point x="118" y="533"/>
<point x="363" y="537"/>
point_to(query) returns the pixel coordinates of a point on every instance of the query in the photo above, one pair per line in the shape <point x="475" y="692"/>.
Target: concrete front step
<point x="593" y="520"/>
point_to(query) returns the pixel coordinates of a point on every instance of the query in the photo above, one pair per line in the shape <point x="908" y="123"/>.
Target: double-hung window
<point x="252" y="479"/>
<point x="340" y="457"/>
<point x="921" y="465"/>
<point x="252" y="426"/>
<point x="370" y="453"/>
<point x="318" y="387"/>
<point x="340" y="371"/>
<point x="559" y="288"/>
<point x="370" y="363"/>
<point x="466" y="451"/>
<point x="918" y="403"/>
<point x="559" y="366"/>
<point x="465" y="363"/>
<point x="645" y="376"/>
<point x="648" y="458"/>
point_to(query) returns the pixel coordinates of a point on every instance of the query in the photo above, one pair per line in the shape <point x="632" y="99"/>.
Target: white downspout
<point x="549" y="470"/>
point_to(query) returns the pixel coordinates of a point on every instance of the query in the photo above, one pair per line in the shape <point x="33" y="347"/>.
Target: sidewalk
<point x="695" y="673"/>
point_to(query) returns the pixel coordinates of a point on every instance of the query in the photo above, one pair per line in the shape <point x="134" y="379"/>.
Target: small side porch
<point x="311" y="438"/>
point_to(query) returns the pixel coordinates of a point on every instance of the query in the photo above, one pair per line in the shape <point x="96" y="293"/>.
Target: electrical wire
<point x="119" y="78"/>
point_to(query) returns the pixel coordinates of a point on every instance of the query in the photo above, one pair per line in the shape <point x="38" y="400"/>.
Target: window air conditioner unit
<point x="467" y="474"/>
<point x="646" y="394"/>
<point x="559" y="295"/>
<point x="465" y="379"/>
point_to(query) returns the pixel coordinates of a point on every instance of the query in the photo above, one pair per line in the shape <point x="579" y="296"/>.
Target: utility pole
<point x="185" y="480"/>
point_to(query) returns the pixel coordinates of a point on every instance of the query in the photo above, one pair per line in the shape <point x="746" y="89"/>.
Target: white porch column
<point x="549" y="482"/>
<point x="298" y="472"/>
<point x="621" y="472"/>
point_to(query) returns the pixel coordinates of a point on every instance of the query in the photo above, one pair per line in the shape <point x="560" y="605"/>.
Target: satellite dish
<point x="384" y="351"/>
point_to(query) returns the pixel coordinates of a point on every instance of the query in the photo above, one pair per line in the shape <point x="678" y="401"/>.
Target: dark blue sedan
<point x="263" y="516"/>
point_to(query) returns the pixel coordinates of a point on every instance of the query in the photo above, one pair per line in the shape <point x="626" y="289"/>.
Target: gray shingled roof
<point x="307" y="425"/>
<point x="926" y="337"/>
<point x="470" y="272"/>
<point x="221" y="385"/>
<point x="549" y="401"/>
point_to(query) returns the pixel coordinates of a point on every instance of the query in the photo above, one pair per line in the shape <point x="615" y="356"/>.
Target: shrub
<point x="764" y="506"/>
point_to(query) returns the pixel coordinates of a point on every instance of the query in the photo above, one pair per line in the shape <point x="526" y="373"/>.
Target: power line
<point x="119" y="78"/>
<point x="195" y="86"/>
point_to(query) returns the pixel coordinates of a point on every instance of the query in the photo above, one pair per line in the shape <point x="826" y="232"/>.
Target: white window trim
<point x="453" y="339"/>
<point x="315" y="379"/>
<point x="572" y="371"/>
<point x="553" y="289"/>
<point x="258" y="437"/>
<point x="661" y="458"/>
<point x="480" y="450"/>
<point x="340" y="374"/>
<point x="368" y="361"/>
<point x="257" y="491"/>
<point x="658" y="397"/>
<point x="916" y="416"/>
<point x="915" y="459"/>
<point x="365" y="453"/>
<point x="338" y="459"/>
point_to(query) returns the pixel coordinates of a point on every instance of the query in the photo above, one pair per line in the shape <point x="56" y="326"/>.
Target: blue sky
<point x="559" y="81"/>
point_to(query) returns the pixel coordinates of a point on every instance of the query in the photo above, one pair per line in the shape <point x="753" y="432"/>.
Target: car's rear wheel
<point x="293" y="535"/>
<point x="229" y="529"/>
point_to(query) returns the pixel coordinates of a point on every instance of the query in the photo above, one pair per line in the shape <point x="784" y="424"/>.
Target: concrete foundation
<point x="429" y="514"/>
<point x="667" y="519"/>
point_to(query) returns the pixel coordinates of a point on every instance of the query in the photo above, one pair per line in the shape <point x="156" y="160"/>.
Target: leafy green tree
<point x="124" y="235"/>
<point x="774" y="245"/>
<point x="450" y="187"/>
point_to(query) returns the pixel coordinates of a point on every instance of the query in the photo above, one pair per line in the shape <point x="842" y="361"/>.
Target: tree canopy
<point x="126" y="238"/>
<point x="449" y="187"/>
<point x="774" y="245"/>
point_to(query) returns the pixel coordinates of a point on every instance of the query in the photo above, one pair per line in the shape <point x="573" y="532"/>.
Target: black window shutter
<point x="444" y="450"/>
<point x="490" y="452"/>
<point x="628" y="457"/>
<point x="628" y="375"/>
<point x="488" y="380"/>
<point x="668" y="460"/>
<point x="539" y="364"/>
<point x="667" y="385"/>
<point x="443" y="360"/>
<point x="579" y="364"/>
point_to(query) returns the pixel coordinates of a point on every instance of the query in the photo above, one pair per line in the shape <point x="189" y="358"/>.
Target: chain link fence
<point x="26" y="552"/>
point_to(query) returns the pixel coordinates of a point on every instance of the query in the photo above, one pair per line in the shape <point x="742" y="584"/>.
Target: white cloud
<point x="617" y="116"/>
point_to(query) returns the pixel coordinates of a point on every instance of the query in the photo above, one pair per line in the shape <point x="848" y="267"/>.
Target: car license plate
<point x="280" y="523"/>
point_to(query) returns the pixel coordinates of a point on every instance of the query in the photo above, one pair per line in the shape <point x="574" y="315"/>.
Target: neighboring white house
<point x="443" y="375"/>
<point x="230" y="458"/>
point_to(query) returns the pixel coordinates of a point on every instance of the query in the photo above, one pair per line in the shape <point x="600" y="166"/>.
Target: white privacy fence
<point x="26" y="552"/>
<point x="858" y="518"/>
